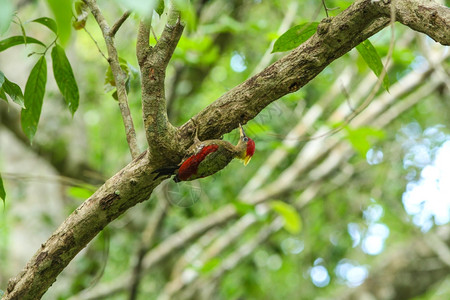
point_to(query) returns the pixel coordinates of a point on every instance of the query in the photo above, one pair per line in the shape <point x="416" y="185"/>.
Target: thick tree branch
<point x="120" y="77"/>
<point x="133" y="184"/>
<point x="335" y="37"/>
<point x="425" y="16"/>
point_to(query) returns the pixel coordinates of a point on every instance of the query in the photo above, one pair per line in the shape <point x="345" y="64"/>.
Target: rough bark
<point x="335" y="37"/>
<point x="135" y="182"/>
<point x="131" y="185"/>
<point x="153" y="62"/>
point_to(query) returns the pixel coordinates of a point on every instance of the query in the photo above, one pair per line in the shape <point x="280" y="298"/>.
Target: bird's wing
<point x="190" y="166"/>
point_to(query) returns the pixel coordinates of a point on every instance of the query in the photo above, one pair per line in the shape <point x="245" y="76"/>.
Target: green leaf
<point x="363" y="138"/>
<point x="22" y="29"/>
<point x="243" y="208"/>
<point x="160" y="7"/>
<point x="292" y="219"/>
<point x="210" y="265"/>
<point x="34" y="96"/>
<point x="18" y="40"/>
<point x="2" y="190"/>
<point x="373" y="60"/>
<point x="110" y="83"/>
<point x="295" y="36"/>
<point x="64" y="78"/>
<point x="3" y="95"/>
<point x="13" y="90"/>
<point x="81" y="192"/>
<point x="48" y="22"/>
<point x="62" y="10"/>
<point x="127" y="89"/>
<point x="6" y="14"/>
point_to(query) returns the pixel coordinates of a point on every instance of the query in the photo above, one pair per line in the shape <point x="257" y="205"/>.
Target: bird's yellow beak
<point x="247" y="159"/>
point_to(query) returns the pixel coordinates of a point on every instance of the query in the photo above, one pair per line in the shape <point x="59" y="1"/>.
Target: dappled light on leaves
<point x="427" y="198"/>
<point x="351" y="273"/>
<point x="237" y="62"/>
<point x="319" y="276"/>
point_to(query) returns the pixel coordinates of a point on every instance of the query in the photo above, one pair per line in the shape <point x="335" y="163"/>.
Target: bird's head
<point x="246" y="146"/>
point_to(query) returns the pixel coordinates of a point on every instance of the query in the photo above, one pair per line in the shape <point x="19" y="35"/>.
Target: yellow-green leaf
<point x="34" y="96"/>
<point x="295" y="36"/>
<point x="373" y="61"/>
<point x="363" y="138"/>
<point x="210" y="265"/>
<point x="292" y="219"/>
<point x="64" y="78"/>
<point x="81" y="192"/>
<point x="243" y="208"/>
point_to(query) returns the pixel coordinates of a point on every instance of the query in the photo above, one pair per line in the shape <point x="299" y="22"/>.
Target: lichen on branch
<point x="153" y="61"/>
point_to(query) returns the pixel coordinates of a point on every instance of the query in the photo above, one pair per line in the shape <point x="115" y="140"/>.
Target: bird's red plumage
<point x="190" y="165"/>
<point x="250" y="147"/>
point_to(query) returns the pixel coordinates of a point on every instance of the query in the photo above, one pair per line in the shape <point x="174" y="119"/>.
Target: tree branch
<point x="425" y="16"/>
<point x="334" y="37"/>
<point x="119" y="23"/>
<point x="120" y="77"/>
<point x="153" y="62"/>
<point x="133" y="184"/>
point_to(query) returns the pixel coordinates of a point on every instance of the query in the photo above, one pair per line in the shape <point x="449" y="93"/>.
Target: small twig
<point x="327" y="9"/>
<point x="96" y="44"/>
<point x="154" y="34"/>
<point x="325" y="6"/>
<point x="347" y="97"/>
<point x="118" y="24"/>
<point x="119" y="76"/>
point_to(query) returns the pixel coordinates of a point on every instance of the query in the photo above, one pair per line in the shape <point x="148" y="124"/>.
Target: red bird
<point x="205" y="158"/>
